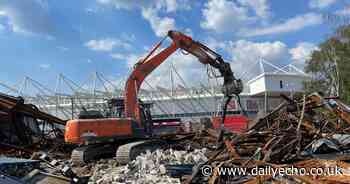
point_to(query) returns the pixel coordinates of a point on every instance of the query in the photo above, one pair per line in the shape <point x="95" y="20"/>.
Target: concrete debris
<point x="147" y="168"/>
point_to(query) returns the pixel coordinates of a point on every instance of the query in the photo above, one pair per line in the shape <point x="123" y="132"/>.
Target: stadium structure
<point x="263" y="84"/>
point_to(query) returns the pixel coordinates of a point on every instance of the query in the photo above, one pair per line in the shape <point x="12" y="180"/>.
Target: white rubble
<point x="147" y="168"/>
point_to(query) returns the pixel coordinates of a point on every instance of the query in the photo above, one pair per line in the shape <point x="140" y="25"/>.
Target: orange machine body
<point x="79" y="131"/>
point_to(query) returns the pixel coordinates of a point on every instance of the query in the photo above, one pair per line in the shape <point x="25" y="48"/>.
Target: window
<point x="281" y="84"/>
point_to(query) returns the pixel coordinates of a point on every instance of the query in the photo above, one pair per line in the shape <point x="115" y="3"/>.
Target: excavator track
<point x="128" y="152"/>
<point x="84" y="154"/>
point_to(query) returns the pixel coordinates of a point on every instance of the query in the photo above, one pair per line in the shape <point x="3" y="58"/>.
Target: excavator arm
<point x="144" y="67"/>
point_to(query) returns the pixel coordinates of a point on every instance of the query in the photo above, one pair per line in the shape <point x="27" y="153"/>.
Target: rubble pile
<point x="310" y="132"/>
<point x="147" y="168"/>
<point x="305" y="133"/>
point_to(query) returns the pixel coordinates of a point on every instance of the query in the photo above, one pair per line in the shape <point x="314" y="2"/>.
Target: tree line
<point x="329" y="66"/>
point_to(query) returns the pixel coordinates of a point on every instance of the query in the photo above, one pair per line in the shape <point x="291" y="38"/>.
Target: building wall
<point x="284" y="83"/>
<point x="257" y="85"/>
<point x="276" y="83"/>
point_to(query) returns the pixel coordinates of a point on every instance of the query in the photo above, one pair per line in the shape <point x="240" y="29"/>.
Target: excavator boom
<point x="143" y="68"/>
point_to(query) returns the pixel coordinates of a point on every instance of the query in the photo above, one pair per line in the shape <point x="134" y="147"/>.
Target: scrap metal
<point x="25" y="129"/>
<point x="297" y="133"/>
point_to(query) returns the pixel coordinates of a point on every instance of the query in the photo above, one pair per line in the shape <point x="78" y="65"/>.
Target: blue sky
<point x="42" y="38"/>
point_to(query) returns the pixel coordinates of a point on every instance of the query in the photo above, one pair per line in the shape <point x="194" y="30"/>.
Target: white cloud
<point x="167" y="5"/>
<point x="260" y="7"/>
<point x="343" y="12"/>
<point x="320" y="4"/>
<point x="171" y="5"/>
<point x="45" y="66"/>
<point x="243" y="50"/>
<point x="224" y="16"/>
<point x="245" y="54"/>
<point x="119" y="56"/>
<point x="294" y="24"/>
<point x="179" y="5"/>
<point x="128" y="37"/>
<point x="236" y="16"/>
<point x="151" y="11"/>
<point x="214" y="44"/>
<point x="101" y="45"/>
<point x="106" y="44"/>
<point x="130" y="59"/>
<point x="29" y="17"/>
<point x="123" y="4"/>
<point x="160" y="26"/>
<point x="302" y="52"/>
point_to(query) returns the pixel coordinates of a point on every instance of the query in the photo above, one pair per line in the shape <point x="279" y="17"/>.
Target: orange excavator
<point x="132" y="131"/>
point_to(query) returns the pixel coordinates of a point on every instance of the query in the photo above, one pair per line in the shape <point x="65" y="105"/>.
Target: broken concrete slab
<point x="150" y="167"/>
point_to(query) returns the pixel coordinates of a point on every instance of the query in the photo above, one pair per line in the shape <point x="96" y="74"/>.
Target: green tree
<point x="329" y="66"/>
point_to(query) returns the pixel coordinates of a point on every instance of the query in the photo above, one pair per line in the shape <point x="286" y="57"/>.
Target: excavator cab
<point x="116" y="108"/>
